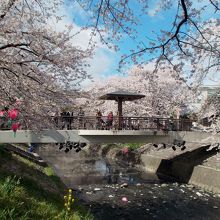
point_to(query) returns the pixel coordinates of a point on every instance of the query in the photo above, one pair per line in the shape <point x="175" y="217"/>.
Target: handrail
<point x="122" y="123"/>
<point x="118" y="123"/>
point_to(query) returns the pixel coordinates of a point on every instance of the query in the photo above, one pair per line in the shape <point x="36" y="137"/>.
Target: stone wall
<point x="202" y="176"/>
<point x="206" y="177"/>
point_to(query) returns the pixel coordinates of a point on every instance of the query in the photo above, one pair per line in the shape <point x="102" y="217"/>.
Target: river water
<point x="99" y="185"/>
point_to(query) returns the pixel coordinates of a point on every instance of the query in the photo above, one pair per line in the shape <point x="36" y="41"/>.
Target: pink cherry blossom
<point x="13" y="113"/>
<point x="2" y="113"/>
<point x="18" y="102"/>
<point x="125" y="150"/>
<point x="15" y="126"/>
<point x="124" y="199"/>
<point x="38" y="61"/>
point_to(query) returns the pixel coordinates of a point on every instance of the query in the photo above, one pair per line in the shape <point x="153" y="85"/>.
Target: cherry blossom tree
<point x="192" y="40"/>
<point x="190" y="46"/>
<point x="163" y="93"/>
<point x="39" y="66"/>
<point x="210" y="110"/>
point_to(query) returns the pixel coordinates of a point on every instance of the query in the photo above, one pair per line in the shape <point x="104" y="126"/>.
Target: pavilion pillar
<point x="120" y="120"/>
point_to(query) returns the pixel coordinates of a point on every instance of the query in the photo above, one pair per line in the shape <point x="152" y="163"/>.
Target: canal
<point x="113" y="190"/>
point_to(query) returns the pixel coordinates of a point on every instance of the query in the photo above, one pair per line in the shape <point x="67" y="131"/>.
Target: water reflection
<point x="148" y="200"/>
<point x="103" y="171"/>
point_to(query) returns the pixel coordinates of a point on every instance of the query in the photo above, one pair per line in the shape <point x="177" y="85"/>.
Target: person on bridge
<point x="110" y="119"/>
<point x="65" y="119"/>
<point x="99" y="119"/>
<point x="81" y="115"/>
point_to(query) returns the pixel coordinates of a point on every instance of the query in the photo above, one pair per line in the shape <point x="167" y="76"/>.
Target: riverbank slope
<point x="29" y="191"/>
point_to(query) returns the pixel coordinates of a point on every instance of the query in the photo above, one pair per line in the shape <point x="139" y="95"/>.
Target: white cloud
<point x="154" y="8"/>
<point x="99" y="65"/>
<point x="102" y="59"/>
<point x="153" y="11"/>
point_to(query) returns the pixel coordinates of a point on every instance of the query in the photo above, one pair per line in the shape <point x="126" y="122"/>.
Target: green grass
<point x="29" y="191"/>
<point x="133" y="146"/>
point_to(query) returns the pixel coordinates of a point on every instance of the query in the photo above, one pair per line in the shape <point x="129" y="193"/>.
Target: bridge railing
<point x="118" y="123"/>
<point x="121" y="123"/>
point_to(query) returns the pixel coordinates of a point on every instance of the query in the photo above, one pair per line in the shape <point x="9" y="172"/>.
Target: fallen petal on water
<point x="97" y="189"/>
<point x="124" y="199"/>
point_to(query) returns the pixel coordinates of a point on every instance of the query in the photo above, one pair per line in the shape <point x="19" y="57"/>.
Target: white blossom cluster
<point x="37" y="64"/>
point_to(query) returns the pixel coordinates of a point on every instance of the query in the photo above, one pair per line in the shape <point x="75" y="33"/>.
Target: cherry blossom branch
<point x="215" y="5"/>
<point x="14" y="45"/>
<point x="99" y="13"/>
<point x="174" y="36"/>
<point x="7" y="8"/>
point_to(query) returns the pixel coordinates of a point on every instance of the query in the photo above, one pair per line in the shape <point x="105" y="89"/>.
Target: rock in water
<point x="123" y="185"/>
<point x="198" y="194"/>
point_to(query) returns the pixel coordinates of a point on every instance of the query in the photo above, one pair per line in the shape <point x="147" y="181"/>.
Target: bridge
<point x="114" y="129"/>
<point x="76" y="131"/>
<point x="92" y="129"/>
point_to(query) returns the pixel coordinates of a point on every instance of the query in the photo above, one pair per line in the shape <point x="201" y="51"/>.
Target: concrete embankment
<point x="185" y="168"/>
<point x="22" y="151"/>
<point x="206" y="177"/>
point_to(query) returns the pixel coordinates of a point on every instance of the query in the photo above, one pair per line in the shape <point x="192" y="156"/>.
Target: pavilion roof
<point x="123" y="95"/>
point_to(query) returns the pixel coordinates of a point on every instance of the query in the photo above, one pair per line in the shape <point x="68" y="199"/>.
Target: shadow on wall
<point x="181" y="167"/>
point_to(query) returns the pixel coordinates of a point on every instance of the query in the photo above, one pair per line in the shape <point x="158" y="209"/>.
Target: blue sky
<point x="105" y="62"/>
